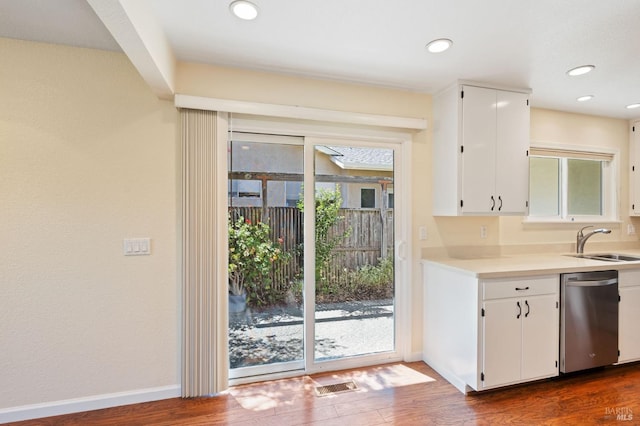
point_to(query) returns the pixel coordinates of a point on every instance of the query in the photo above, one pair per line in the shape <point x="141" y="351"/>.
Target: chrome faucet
<point x="582" y="238"/>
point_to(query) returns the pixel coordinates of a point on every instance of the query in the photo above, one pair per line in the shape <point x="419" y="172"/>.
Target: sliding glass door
<point x="311" y="272"/>
<point x="266" y="251"/>
<point x="354" y="251"/>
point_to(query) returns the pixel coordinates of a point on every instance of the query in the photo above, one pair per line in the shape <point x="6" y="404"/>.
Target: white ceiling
<point x="522" y="43"/>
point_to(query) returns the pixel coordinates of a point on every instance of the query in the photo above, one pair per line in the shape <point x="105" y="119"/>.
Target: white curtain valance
<point x="298" y="112"/>
<point x="570" y="153"/>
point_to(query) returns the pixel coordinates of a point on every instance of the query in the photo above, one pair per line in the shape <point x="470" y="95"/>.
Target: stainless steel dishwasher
<point x="588" y="320"/>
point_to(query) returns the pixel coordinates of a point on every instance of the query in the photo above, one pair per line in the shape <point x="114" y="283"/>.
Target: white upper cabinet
<point x="634" y="175"/>
<point x="512" y="151"/>
<point x="480" y="151"/>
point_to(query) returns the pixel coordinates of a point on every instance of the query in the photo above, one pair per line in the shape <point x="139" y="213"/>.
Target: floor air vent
<point x="336" y="388"/>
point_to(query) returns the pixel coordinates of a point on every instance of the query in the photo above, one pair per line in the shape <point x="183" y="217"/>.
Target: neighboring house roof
<point x="354" y="158"/>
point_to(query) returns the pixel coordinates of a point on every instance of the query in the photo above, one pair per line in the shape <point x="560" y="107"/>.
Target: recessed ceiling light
<point x="583" y="69"/>
<point x="585" y="98"/>
<point x="633" y="106"/>
<point x="439" y="45"/>
<point x="244" y="9"/>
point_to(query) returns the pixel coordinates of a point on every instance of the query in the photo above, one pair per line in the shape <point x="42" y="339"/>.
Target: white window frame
<point x="610" y="182"/>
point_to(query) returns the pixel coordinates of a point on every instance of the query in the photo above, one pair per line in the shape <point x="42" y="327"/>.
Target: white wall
<point x="87" y="158"/>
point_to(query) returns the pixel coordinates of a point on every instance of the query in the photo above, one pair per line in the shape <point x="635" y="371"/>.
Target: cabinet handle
<point x="522" y="288"/>
<point x="528" y="309"/>
<point x="519" y="310"/>
<point x="493" y="203"/>
<point x="500" y="206"/>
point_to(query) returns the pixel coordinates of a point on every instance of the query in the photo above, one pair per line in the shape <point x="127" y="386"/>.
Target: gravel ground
<point x="342" y="329"/>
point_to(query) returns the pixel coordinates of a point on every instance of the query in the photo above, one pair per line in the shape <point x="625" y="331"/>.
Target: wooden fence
<point x="368" y="234"/>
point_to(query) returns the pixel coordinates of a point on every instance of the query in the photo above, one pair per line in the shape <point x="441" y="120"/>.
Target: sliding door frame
<point x="402" y="323"/>
<point x="242" y="373"/>
<point x="320" y="133"/>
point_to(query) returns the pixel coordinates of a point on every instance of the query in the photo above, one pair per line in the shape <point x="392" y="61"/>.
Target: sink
<point x="616" y="257"/>
<point x="609" y="257"/>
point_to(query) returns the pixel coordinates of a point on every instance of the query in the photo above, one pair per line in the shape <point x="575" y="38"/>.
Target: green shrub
<point x="380" y="274"/>
<point x="252" y="260"/>
<point x="327" y="205"/>
<point x="369" y="282"/>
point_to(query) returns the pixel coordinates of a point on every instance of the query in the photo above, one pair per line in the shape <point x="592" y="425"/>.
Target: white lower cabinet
<point x="520" y="339"/>
<point x="629" y="315"/>
<point x="486" y="333"/>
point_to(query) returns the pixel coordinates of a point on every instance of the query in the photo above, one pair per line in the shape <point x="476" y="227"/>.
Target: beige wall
<point x="87" y="158"/>
<point x="253" y="86"/>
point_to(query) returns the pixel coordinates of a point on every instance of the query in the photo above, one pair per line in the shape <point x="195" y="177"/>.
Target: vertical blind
<point x="205" y="361"/>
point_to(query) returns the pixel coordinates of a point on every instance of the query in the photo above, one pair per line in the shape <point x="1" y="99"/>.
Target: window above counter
<point x="573" y="185"/>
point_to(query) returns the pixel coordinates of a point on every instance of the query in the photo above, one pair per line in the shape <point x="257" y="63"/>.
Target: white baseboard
<point x="96" y="402"/>
<point x="456" y="381"/>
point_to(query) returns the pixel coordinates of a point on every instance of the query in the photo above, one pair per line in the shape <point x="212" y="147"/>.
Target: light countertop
<point x="503" y="266"/>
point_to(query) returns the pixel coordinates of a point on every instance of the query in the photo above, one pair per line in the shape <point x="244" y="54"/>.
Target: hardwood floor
<point x="401" y="394"/>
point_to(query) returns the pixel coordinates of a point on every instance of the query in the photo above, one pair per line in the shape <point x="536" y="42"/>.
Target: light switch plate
<point x="137" y="246"/>
<point x="422" y="233"/>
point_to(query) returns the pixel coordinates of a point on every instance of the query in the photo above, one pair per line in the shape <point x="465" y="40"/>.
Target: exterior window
<point x="245" y="188"/>
<point x="293" y="193"/>
<point x="571" y="189"/>
<point x="367" y="198"/>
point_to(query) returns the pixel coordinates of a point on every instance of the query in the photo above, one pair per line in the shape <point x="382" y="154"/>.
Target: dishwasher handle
<point x="587" y="283"/>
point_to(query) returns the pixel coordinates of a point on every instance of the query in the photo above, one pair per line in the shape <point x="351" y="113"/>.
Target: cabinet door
<point x="540" y="336"/>
<point x="501" y="343"/>
<point x="634" y="174"/>
<point x="479" y="145"/>
<point x="629" y="337"/>
<point x="512" y="144"/>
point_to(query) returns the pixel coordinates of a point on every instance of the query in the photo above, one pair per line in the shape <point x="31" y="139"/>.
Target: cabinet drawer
<point x="514" y="287"/>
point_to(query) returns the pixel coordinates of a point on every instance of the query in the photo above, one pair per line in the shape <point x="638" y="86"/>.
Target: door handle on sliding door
<point x="401" y="250"/>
